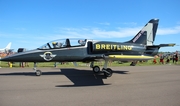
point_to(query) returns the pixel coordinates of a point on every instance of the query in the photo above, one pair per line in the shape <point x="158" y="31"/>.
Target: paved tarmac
<point x="128" y="86"/>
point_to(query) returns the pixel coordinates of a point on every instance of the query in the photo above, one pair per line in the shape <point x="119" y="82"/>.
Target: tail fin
<point x="147" y="34"/>
<point x="8" y="46"/>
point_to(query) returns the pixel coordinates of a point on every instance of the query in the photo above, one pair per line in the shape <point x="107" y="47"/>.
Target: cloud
<point x="90" y="33"/>
<point x="178" y="22"/>
<point x="36" y="40"/>
<point x="119" y="32"/>
<point x="130" y="23"/>
<point x="168" y="31"/>
<point x="97" y="32"/>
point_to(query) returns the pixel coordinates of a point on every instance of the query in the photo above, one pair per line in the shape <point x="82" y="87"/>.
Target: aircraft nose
<point x="22" y="57"/>
<point x="5" y="59"/>
<point x="11" y="58"/>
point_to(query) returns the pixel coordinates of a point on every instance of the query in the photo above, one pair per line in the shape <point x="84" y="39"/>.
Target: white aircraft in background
<point x="7" y="49"/>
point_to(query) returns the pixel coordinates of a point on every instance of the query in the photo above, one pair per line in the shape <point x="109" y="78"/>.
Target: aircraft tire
<point x="109" y="74"/>
<point x="38" y="72"/>
<point x="96" y="69"/>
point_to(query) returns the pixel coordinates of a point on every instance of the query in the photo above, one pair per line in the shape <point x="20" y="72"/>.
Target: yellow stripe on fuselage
<point x="130" y="57"/>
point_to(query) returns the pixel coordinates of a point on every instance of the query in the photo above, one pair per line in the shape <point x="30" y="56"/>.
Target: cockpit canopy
<point x="63" y="43"/>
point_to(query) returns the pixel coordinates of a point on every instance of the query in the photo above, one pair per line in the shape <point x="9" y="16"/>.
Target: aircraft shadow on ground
<point x="120" y="72"/>
<point x="18" y="74"/>
<point x="29" y="73"/>
<point x="80" y="78"/>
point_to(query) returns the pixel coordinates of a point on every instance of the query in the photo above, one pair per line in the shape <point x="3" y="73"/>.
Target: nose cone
<point x="28" y="56"/>
<point x="9" y="58"/>
<point x="18" y="57"/>
<point x="3" y="59"/>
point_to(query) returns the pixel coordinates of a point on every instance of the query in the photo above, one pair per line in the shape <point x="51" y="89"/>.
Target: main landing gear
<point x="37" y="72"/>
<point x="107" y="71"/>
<point x="96" y="69"/>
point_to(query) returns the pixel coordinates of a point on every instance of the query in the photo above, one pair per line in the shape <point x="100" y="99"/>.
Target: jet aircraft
<point x="140" y="47"/>
<point x="7" y="49"/>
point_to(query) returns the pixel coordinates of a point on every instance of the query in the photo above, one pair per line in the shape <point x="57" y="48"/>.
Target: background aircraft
<point x="7" y="49"/>
<point x="140" y="47"/>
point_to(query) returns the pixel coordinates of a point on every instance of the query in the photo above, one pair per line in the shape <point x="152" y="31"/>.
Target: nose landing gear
<point x="37" y="72"/>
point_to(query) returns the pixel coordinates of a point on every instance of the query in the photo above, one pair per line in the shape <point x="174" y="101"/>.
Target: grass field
<point x="80" y="64"/>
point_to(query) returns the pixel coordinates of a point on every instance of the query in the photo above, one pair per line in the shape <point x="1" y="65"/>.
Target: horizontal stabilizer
<point x="165" y="45"/>
<point x="153" y="50"/>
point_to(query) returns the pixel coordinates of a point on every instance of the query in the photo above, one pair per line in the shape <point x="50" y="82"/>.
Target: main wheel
<point x="108" y="73"/>
<point x="96" y="69"/>
<point x="38" y="72"/>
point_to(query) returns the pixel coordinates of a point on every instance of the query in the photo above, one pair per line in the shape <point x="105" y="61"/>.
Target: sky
<point x="31" y="23"/>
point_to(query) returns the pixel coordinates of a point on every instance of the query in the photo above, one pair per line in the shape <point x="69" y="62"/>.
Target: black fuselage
<point x="88" y="52"/>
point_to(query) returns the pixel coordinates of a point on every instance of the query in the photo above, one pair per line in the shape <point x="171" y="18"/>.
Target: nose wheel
<point x="38" y="73"/>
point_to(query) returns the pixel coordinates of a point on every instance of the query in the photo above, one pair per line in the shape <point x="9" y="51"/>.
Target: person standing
<point x="176" y="57"/>
<point x="162" y="59"/>
<point x="154" y="61"/>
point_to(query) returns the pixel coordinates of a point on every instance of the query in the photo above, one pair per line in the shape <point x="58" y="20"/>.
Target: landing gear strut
<point x="107" y="71"/>
<point x="37" y="72"/>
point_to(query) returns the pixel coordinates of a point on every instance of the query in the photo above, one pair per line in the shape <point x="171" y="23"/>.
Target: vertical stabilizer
<point x="8" y="46"/>
<point x="147" y="34"/>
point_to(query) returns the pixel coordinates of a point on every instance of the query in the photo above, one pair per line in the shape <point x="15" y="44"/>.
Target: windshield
<point x="62" y="43"/>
